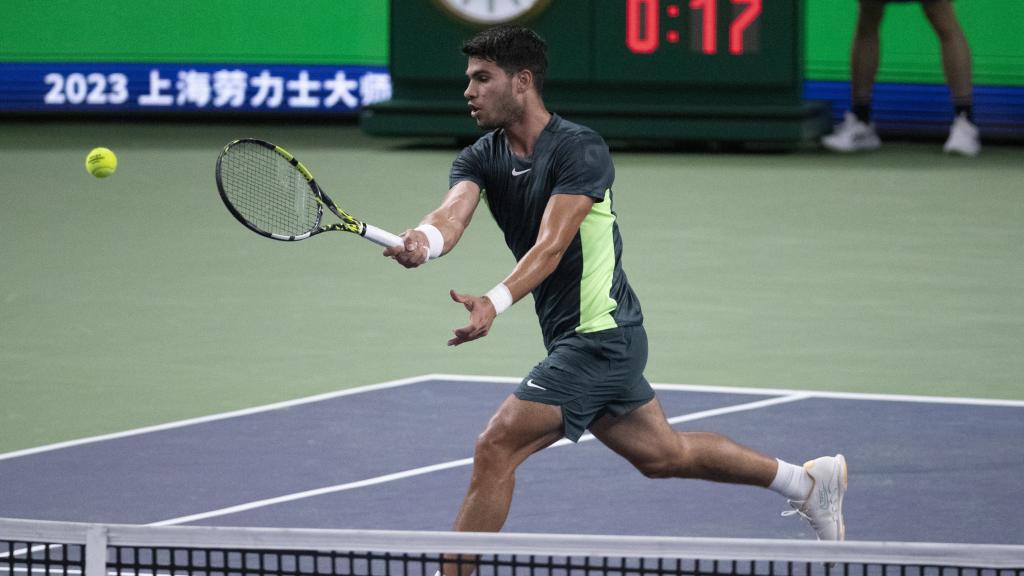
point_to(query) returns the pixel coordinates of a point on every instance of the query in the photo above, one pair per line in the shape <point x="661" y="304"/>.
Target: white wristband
<point x="435" y="241"/>
<point x="500" y="297"/>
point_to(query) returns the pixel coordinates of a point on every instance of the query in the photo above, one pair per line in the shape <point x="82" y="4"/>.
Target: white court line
<point x="213" y="417"/>
<point x="447" y="466"/>
<point x="316" y="492"/>
<point x="776" y="392"/>
<point x="959" y="401"/>
<point x="503" y="380"/>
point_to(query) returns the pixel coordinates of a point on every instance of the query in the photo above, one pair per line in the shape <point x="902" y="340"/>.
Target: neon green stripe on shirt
<point x="596" y="237"/>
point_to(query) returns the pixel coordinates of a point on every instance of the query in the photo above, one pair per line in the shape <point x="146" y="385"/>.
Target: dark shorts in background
<point x="590" y="375"/>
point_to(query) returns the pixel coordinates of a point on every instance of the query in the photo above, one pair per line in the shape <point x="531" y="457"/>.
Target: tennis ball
<point x="101" y="162"/>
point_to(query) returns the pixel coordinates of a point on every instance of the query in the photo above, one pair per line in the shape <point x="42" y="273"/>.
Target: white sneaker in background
<point x="963" y="138"/>
<point x="852" y="135"/>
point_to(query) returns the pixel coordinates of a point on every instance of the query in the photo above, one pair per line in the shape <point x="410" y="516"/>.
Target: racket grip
<point x="382" y="237"/>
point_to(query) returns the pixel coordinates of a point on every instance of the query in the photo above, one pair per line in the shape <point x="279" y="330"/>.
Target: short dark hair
<point x="512" y="48"/>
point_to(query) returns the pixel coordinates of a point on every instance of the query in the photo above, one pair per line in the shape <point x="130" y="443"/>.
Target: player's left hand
<point x="481" y="316"/>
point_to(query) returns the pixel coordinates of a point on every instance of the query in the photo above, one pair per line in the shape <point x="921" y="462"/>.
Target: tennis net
<point x="40" y="548"/>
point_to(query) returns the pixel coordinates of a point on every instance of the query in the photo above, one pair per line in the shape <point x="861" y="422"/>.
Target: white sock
<point x="792" y="481"/>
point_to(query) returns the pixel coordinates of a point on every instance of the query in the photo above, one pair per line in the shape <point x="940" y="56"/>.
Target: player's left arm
<point x="561" y="221"/>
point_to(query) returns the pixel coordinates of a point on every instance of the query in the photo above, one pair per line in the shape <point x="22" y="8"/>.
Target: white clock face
<point x="492" y="11"/>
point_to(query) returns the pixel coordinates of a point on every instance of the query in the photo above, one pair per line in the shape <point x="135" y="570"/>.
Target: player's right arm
<point x="451" y="219"/>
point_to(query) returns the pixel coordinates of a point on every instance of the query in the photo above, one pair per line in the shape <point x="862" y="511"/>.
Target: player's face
<point x="491" y="95"/>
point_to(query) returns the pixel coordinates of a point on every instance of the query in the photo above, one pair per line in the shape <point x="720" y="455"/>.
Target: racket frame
<point x="348" y="222"/>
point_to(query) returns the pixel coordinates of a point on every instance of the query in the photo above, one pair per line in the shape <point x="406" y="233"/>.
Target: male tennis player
<point x="548" y="184"/>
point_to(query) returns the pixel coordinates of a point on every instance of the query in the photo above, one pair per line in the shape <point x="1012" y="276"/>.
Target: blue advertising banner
<point x="190" y="88"/>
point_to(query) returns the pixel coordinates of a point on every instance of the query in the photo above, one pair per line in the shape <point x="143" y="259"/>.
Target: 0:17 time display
<point x="647" y="25"/>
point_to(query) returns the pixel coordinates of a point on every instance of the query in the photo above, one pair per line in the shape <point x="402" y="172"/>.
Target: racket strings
<point x="268" y="191"/>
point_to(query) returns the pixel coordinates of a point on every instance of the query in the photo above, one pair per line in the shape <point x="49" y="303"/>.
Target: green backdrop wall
<point x="910" y="50"/>
<point x="356" y="32"/>
<point x="196" y="31"/>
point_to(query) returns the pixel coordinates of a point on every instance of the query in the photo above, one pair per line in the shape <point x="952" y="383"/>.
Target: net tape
<point x="40" y="548"/>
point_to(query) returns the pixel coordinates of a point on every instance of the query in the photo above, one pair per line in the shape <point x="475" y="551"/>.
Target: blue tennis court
<point x="397" y="455"/>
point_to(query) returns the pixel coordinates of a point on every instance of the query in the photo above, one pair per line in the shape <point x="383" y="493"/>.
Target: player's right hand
<point x="414" y="252"/>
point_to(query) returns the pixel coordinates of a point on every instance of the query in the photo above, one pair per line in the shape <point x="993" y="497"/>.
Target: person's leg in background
<point x="956" y="65"/>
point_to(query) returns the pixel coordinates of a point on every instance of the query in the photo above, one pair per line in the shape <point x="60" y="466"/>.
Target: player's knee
<point x="669" y="460"/>
<point x="656" y="468"/>
<point x="665" y="463"/>
<point x="490" y="452"/>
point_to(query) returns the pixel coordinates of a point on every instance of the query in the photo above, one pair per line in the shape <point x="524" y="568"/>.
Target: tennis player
<point x="548" y="184"/>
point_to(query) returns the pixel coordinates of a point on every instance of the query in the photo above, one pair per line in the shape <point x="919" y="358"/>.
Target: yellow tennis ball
<point x="101" y="162"/>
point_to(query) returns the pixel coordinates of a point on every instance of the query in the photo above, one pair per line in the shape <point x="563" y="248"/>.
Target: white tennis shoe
<point x="963" y="138"/>
<point x="852" y="135"/>
<point x="823" y="508"/>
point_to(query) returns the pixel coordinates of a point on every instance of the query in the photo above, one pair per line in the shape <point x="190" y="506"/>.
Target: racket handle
<point x="382" y="237"/>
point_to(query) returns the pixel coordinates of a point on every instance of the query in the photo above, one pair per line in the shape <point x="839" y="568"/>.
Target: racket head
<point x="268" y="190"/>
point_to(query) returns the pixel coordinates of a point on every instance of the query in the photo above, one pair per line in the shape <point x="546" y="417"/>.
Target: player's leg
<point x="540" y="411"/>
<point x="631" y="422"/>
<point x="518" y="429"/>
<point x="956" y="65"/>
<point x="645" y="438"/>
<point x="956" y="54"/>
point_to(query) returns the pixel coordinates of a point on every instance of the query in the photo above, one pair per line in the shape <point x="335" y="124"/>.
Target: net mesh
<point x="43" y="549"/>
<point x="267" y="191"/>
<point x="26" y="558"/>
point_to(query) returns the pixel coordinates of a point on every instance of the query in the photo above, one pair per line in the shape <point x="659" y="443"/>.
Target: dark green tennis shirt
<point x="588" y="291"/>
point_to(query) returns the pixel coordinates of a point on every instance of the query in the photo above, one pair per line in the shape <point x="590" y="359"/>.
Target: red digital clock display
<point x="650" y="24"/>
<point x="734" y="43"/>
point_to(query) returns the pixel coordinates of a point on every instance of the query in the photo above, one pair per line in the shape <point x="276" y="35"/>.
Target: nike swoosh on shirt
<point x="520" y="172"/>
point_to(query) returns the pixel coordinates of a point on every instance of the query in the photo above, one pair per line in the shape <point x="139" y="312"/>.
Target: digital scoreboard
<point x="710" y="70"/>
<point x="644" y="18"/>
<point x="692" y="41"/>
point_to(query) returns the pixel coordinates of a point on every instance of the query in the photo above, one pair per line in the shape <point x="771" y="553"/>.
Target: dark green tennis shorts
<point x="590" y="375"/>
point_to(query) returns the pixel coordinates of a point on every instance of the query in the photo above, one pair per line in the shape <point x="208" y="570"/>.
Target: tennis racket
<point x="274" y="195"/>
